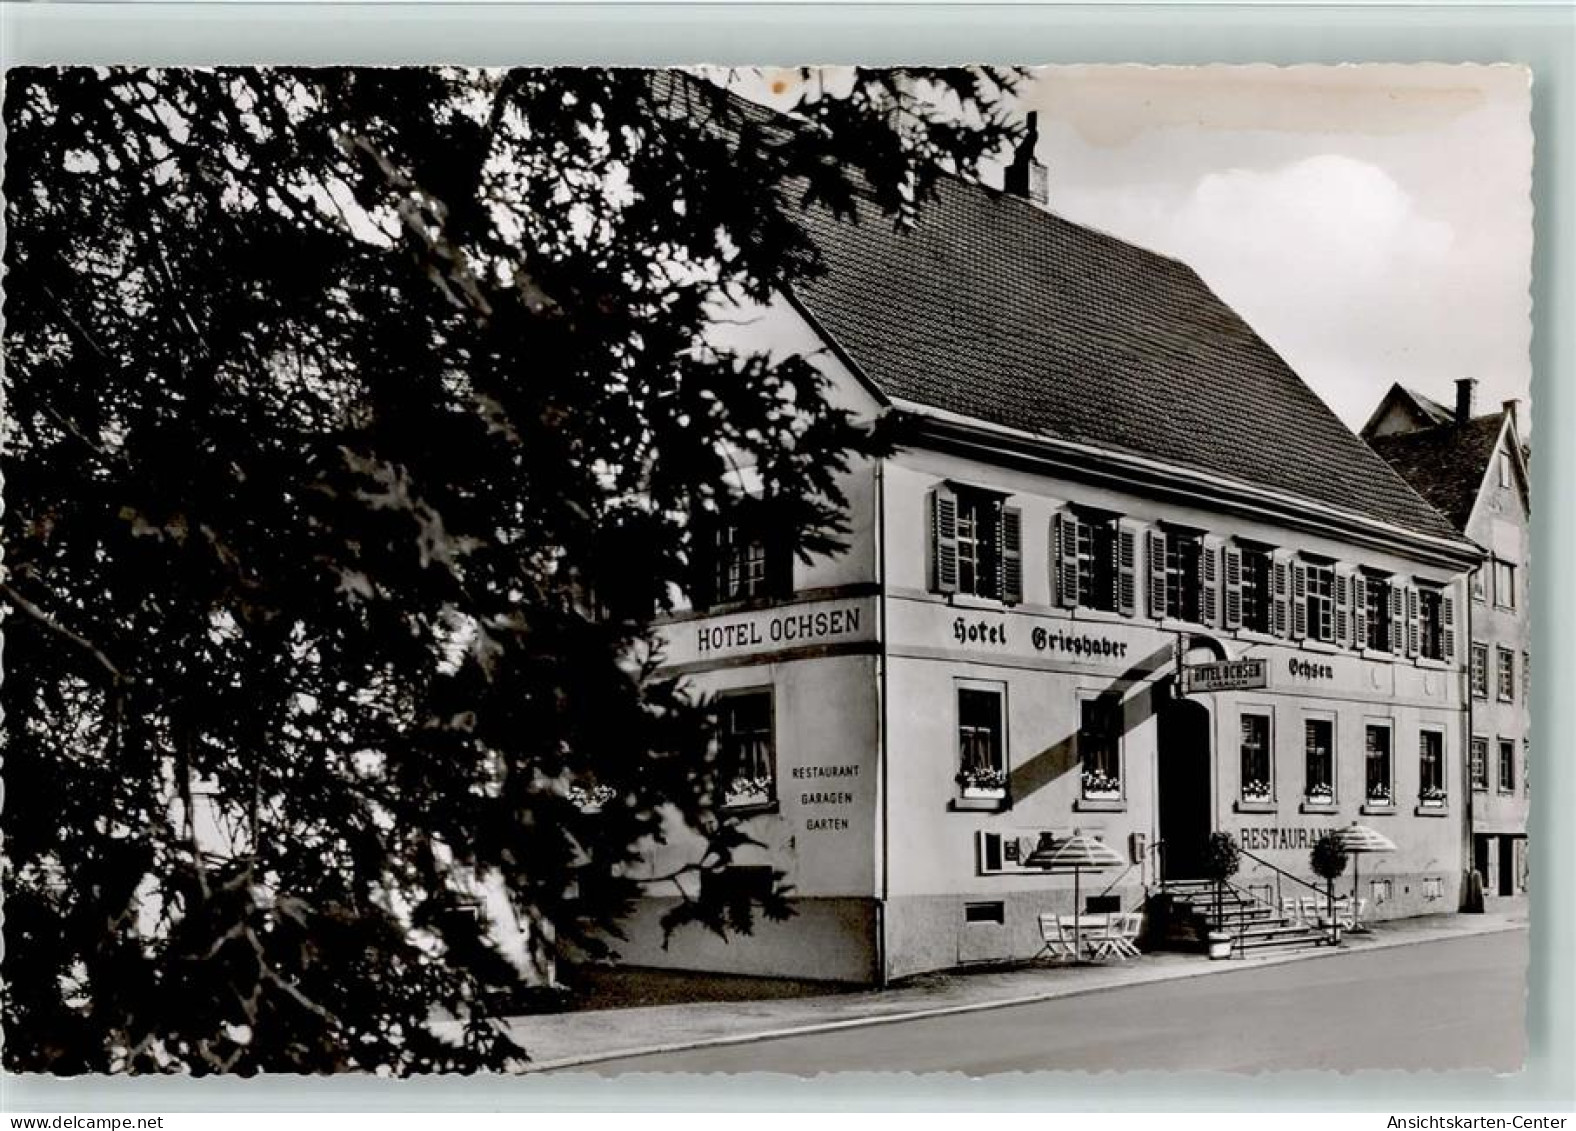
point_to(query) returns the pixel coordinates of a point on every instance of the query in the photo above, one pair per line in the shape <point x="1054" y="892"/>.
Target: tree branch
<point x="24" y="605"/>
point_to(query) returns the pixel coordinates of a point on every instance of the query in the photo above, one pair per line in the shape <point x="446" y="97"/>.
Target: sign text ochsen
<point x="785" y="628"/>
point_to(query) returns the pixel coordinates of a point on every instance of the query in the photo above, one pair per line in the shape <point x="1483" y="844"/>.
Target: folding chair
<point x="1055" y="940"/>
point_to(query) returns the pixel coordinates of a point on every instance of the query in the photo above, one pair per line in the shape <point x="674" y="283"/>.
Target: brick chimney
<point x="1466" y="397"/>
<point x="1027" y="176"/>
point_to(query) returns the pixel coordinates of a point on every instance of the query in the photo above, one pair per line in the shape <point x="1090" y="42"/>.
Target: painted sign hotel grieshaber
<point x="1105" y="478"/>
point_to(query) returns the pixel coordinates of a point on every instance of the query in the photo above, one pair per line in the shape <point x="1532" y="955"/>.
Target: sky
<point x="1372" y="223"/>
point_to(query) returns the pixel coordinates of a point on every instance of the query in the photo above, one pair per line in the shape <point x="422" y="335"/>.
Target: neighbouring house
<point x="1474" y="470"/>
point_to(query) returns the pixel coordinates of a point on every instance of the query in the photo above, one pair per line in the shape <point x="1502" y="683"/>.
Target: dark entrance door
<point x="1184" y="753"/>
<point x="1507" y="865"/>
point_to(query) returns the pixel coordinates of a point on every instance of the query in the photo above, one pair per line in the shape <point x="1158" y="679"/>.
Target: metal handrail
<point x="1148" y="852"/>
<point x="1279" y="871"/>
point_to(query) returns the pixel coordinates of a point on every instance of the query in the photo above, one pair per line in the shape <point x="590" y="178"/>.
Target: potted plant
<point x="1255" y="789"/>
<point x="1328" y="859"/>
<point x="1432" y="796"/>
<point x="1321" y="793"/>
<point x="743" y="791"/>
<point x="1379" y="793"/>
<point x="1222" y="858"/>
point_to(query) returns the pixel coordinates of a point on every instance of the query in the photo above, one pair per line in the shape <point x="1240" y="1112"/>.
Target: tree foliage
<point x="355" y="424"/>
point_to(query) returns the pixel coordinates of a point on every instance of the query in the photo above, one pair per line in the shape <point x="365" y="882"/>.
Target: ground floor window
<point x="1319" y="760"/>
<point x="982" y="752"/>
<point x="748" y="749"/>
<point x="1255" y="757"/>
<point x="1099" y="749"/>
<point x="1377" y="756"/>
<point x="1479" y="763"/>
<point x="1431" y="768"/>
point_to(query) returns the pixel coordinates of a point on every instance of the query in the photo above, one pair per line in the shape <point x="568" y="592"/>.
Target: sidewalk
<point x="565" y="1040"/>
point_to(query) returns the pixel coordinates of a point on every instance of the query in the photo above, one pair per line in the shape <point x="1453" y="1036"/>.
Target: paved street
<point x="1450" y="1004"/>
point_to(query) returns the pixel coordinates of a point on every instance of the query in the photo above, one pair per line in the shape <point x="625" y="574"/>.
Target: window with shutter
<point x="943" y="540"/>
<point x="1377" y="596"/>
<point x="1343" y="608"/>
<point x="1231" y="591"/>
<point x="1011" y="585"/>
<point x="1447" y="636"/>
<point x="1299" y="600"/>
<point x="1065" y="554"/>
<point x="1431" y="624"/>
<point x="1156" y="540"/>
<point x="1209" y="582"/>
<point x="1397" y="617"/>
<point x="1184" y="565"/>
<point x="1411" y="621"/>
<point x="1282" y="598"/>
<point x="1126" y="569"/>
<point x="1359" y="598"/>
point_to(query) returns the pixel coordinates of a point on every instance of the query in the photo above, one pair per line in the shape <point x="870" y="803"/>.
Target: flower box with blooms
<point x="1255" y="790"/>
<point x="1432" y="795"/>
<point x="986" y="782"/>
<point x="1379" y="794"/>
<point x="742" y="792"/>
<point x="593" y="798"/>
<point x="1101" y="786"/>
<point x="1321" y="794"/>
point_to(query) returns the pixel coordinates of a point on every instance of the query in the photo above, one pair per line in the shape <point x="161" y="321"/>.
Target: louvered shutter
<point x="1064" y="552"/>
<point x="1209" y="580"/>
<point x="1343" y="613"/>
<point x="1359" y="587"/>
<point x="943" y="540"/>
<point x="1397" y="617"/>
<point x="1231" y="562"/>
<point x="703" y="560"/>
<point x="1299" y="600"/>
<point x="1282" y="623"/>
<point x="1447" y="615"/>
<point x="779" y="566"/>
<point x="1411" y="621"/>
<point x="1126" y="569"/>
<point x="1156" y="540"/>
<point x="1011" y="558"/>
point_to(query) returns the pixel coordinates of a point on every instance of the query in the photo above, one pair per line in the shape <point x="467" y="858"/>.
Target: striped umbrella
<point x="1357" y="839"/>
<point x="1075" y="853"/>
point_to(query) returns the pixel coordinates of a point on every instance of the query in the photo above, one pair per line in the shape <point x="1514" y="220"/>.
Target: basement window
<point x="993" y="912"/>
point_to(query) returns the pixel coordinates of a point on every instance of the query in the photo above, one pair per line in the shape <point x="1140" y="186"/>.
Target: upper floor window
<point x="749" y="756"/>
<point x="1504" y="584"/>
<point x="1257" y="597"/>
<point x="1096" y="562"/>
<point x="1505" y="477"/>
<point x="977" y="544"/>
<point x="1479" y="670"/>
<point x="1315" y="605"/>
<point x="1184" y="553"/>
<point x="1505" y="663"/>
<point x="1477" y="766"/>
<point x="1526" y="677"/>
<point x="737" y="563"/>
<point x="1375" y="594"/>
<point x="1507" y="766"/>
<point x="1479" y="585"/>
<point x="1434" y="624"/>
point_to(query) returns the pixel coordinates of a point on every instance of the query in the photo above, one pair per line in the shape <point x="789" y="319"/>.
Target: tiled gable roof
<point x="1446" y="464"/>
<point x="1000" y="311"/>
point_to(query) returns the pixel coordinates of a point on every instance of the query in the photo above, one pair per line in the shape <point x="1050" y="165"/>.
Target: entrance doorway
<point x="1184" y="754"/>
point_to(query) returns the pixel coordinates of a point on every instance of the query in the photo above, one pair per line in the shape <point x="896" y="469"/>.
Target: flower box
<point x="1321" y="795"/>
<point x="1099" y="786"/>
<point x="742" y="792"/>
<point x="1433" y="797"/>
<point x="1255" y="790"/>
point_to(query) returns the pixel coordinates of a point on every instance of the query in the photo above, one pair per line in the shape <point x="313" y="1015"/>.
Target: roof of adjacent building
<point x="1445" y="464"/>
<point x="997" y="310"/>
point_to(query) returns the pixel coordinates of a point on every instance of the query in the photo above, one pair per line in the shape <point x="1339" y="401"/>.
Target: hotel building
<point x="1104" y="477"/>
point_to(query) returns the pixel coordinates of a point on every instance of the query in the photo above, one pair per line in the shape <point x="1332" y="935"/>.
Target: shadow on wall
<point x="1062" y="757"/>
